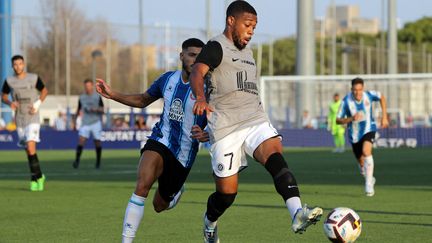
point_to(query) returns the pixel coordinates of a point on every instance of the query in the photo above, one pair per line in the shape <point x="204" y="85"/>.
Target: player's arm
<point x="199" y="134"/>
<point x="5" y="96"/>
<point x="134" y="100"/>
<point x="384" y="119"/>
<point x="343" y="117"/>
<point x="43" y="94"/>
<point x="209" y="58"/>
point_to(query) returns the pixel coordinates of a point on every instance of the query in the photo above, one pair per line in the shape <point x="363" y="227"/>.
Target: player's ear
<point x="230" y="20"/>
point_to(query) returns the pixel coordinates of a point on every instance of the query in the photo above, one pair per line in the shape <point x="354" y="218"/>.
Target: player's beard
<point x="237" y="41"/>
<point x="186" y="69"/>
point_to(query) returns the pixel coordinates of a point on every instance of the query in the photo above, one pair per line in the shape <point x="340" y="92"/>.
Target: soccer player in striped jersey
<point x="356" y="111"/>
<point x="172" y="147"/>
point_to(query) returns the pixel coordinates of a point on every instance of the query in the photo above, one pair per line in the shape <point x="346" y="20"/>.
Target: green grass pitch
<point x="87" y="205"/>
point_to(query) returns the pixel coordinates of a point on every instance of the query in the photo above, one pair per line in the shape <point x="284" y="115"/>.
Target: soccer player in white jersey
<point x="237" y="123"/>
<point x="172" y="147"/>
<point x="28" y="92"/>
<point x="91" y="107"/>
<point x="356" y="111"/>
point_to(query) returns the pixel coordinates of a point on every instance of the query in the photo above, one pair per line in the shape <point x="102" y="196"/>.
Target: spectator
<point x="2" y="124"/>
<point x="140" y="123"/>
<point x="60" y="123"/>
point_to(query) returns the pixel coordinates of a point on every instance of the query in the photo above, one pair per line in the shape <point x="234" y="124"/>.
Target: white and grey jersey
<point x="25" y="91"/>
<point x="87" y="103"/>
<point x="232" y="87"/>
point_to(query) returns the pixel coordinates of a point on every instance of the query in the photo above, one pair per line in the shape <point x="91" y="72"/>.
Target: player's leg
<point x="170" y="182"/>
<point x="98" y="149"/>
<point x="368" y="168"/>
<point x="218" y="203"/>
<point x="227" y="158"/>
<point x="335" y="140"/>
<point x="357" y="149"/>
<point x="97" y="136"/>
<point x="37" y="177"/>
<point x="265" y="145"/>
<point x="150" y="168"/>
<point x="341" y="138"/>
<point x="81" y="142"/>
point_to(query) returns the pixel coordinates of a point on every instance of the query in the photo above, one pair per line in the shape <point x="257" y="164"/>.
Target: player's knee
<point x="159" y="205"/>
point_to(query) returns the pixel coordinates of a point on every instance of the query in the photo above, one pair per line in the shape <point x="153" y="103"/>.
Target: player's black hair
<point x="357" y="81"/>
<point x="239" y="7"/>
<point x="192" y="42"/>
<point x="87" y="80"/>
<point x="17" y="57"/>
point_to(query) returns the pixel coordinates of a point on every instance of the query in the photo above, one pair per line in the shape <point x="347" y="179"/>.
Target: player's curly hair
<point x="239" y="7"/>
<point x="17" y="57"/>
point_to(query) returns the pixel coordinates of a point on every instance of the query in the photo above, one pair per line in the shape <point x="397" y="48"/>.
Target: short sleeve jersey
<point x="232" y="87"/>
<point x="25" y="91"/>
<point x="350" y="106"/>
<point x="174" y="127"/>
<point x="86" y="103"/>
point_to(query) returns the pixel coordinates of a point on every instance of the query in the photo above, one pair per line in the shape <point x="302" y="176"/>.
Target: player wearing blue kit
<point x="91" y="107"/>
<point x="356" y="111"/>
<point x="172" y="147"/>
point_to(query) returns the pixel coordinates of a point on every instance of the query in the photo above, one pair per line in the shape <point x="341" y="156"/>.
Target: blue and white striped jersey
<point x="349" y="107"/>
<point x="174" y="128"/>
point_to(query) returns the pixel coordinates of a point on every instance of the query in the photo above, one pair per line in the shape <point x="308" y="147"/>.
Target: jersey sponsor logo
<point x="176" y="110"/>
<point x="235" y="59"/>
<point x="244" y="85"/>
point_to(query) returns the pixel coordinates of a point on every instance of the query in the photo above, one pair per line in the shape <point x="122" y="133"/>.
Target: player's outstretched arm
<point x="197" y="84"/>
<point x="134" y="100"/>
<point x="384" y="119"/>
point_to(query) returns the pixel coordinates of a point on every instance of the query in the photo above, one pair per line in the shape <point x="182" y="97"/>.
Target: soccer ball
<point x="342" y="225"/>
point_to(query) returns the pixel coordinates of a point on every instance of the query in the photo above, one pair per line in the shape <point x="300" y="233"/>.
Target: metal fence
<point x="409" y="97"/>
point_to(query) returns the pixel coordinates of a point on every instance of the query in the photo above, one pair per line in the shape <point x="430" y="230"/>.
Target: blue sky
<point x="275" y="17"/>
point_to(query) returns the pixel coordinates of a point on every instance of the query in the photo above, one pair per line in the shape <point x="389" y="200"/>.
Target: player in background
<point x="91" y="107"/>
<point x="338" y="131"/>
<point x="171" y="149"/>
<point x="238" y="124"/>
<point x="28" y="93"/>
<point x="356" y="111"/>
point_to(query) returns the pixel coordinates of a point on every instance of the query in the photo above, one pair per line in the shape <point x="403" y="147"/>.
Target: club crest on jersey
<point x="176" y="110"/>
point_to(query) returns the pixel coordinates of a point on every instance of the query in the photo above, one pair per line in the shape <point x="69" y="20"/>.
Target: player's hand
<point x="103" y="88"/>
<point x="384" y="122"/>
<point x="357" y="116"/>
<point x="200" y="106"/>
<point x="14" y="105"/>
<point x="199" y="134"/>
<point x="35" y="107"/>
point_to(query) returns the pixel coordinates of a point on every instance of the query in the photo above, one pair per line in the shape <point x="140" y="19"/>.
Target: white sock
<point x="132" y="218"/>
<point x="293" y="204"/>
<point x="369" y="168"/>
<point x="209" y="223"/>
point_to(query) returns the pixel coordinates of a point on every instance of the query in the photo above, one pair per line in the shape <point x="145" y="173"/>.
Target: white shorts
<point x="228" y="155"/>
<point x="29" y="133"/>
<point x="94" y="129"/>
